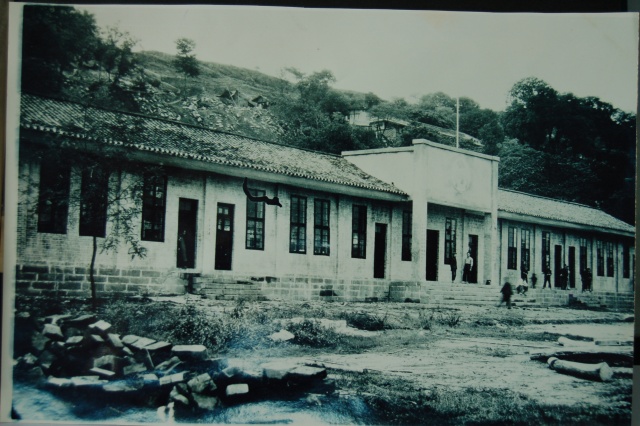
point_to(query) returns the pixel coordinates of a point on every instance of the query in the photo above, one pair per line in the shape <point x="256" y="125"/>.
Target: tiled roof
<point x="197" y="143"/>
<point x="548" y="208"/>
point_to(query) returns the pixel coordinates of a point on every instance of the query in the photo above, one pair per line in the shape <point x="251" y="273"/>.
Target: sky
<point x="404" y="54"/>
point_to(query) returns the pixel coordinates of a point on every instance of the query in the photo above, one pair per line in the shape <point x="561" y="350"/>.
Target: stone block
<point x="202" y="384"/>
<point x="74" y="341"/>
<point x="190" y="352"/>
<point x="57" y="319"/>
<point x="134" y="368"/>
<point x="100" y="327"/>
<point x="46" y="359"/>
<point x="237" y="389"/>
<point x="114" y="341"/>
<point x="276" y="370"/>
<point x="143" y="356"/>
<point x="81" y="321"/>
<point x="53" y="332"/>
<point x="178" y="398"/>
<point x="305" y="373"/>
<point x="93" y="339"/>
<point x="172" y="379"/>
<point x="141" y="343"/>
<point x="59" y="382"/>
<point x="123" y="386"/>
<point x="110" y="362"/>
<point x="130" y="339"/>
<point x="229" y="372"/>
<point x="150" y="380"/>
<point x="105" y="374"/>
<point x="205" y="402"/>
<point x="169" y="365"/>
<point x="282" y="336"/>
<point x="87" y="381"/>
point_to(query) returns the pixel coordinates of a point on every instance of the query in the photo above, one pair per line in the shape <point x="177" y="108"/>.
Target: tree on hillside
<point x="316" y="117"/>
<point x="55" y="40"/>
<point x="185" y="61"/>
<point x="115" y="53"/>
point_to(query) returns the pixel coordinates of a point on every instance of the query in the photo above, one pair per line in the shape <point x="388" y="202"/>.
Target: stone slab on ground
<point x="59" y="382"/>
<point x="172" y="379"/>
<point x="53" y="332"/>
<point x="101" y="327"/>
<point x="276" y="370"/>
<point x="237" y="389"/>
<point x="205" y="402"/>
<point x="102" y="372"/>
<point x="306" y="373"/>
<point x="190" y="352"/>
<point x="202" y="384"/>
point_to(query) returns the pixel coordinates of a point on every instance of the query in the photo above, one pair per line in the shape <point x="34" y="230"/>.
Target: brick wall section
<point x="73" y="281"/>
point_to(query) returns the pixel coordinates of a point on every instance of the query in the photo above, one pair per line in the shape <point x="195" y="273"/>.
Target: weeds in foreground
<point x="398" y="401"/>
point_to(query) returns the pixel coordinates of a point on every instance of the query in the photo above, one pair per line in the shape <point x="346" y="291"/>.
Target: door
<point x="557" y="265"/>
<point x="433" y="241"/>
<point x="187" y="220"/>
<point x="380" y="251"/>
<point x="224" y="237"/>
<point x="572" y="267"/>
<point x="473" y="248"/>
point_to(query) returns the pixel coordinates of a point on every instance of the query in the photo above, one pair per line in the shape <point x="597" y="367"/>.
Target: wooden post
<point x="601" y="372"/>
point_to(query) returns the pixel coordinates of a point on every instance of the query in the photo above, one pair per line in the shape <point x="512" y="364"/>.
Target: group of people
<point x="466" y="271"/>
<point x="523" y="287"/>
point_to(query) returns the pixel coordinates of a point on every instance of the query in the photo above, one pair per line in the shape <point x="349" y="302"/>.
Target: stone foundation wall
<point x="73" y="281"/>
<point x="317" y="288"/>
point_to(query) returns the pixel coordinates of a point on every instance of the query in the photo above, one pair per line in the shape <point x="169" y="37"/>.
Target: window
<point x="626" y="258"/>
<point x="583" y="254"/>
<point x="449" y="240"/>
<point x="406" y="235"/>
<point x="154" y="202"/>
<point x="525" y="249"/>
<point x="546" y="250"/>
<point x="298" y="220"/>
<point x="512" y="253"/>
<point x="321" y="227"/>
<point x="255" y="222"/>
<point x="53" y="198"/>
<point x="93" y="202"/>
<point x="359" y="232"/>
<point x="600" y="258"/>
<point x="610" y="268"/>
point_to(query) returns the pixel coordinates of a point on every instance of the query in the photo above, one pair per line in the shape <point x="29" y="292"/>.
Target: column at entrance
<point x="419" y="239"/>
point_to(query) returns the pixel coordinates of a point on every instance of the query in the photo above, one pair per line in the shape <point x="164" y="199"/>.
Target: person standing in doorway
<point x="454" y="267"/>
<point x="524" y="274"/>
<point x="547" y="277"/>
<point x="468" y="266"/>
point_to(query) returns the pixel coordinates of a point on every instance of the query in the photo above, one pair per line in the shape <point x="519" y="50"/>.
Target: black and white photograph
<point x="287" y="215"/>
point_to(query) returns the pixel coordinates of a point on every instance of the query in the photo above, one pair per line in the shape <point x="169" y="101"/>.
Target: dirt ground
<point x="497" y="356"/>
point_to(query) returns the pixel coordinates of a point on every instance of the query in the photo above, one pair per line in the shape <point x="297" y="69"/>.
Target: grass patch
<point x="398" y="401"/>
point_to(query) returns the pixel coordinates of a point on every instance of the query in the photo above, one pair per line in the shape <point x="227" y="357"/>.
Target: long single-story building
<point x="349" y="227"/>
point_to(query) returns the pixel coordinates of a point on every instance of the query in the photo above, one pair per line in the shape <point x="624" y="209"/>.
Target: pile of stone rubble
<point x="80" y="354"/>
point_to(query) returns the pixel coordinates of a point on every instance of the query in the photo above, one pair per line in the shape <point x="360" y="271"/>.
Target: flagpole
<point x="458" y="122"/>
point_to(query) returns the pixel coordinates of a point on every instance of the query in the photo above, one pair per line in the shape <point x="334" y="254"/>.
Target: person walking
<point x="587" y="279"/>
<point x="506" y="291"/>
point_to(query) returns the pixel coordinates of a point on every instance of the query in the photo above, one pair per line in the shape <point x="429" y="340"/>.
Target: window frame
<point x="298" y="224"/>
<point x="321" y="228"/>
<point x="584" y="255"/>
<point x="154" y="208"/>
<point x="407" y="223"/>
<point x="359" y="231"/>
<point x="600" y="258"/>
<point x="93" y="206"/>
<point x="450" y="235"/>
<point x="255" y="221"/>
<point x="525" y="248"/>
<point x="53" y="198"/>
<point x="512" y="248"/>
<point x="610" y="264"/>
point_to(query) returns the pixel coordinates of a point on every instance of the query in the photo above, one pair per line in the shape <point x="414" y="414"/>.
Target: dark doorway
<point x="433" y="241"/>
<point x="473" y="248"/>
<point x="557" y="265"/>
<point x="224" y="236"/>
<point x="572" y="267"/>
<point x="187" y="223"/>
<point x="380" y="250"/>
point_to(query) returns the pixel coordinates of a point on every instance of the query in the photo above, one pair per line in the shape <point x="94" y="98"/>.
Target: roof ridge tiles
<point x="549" y="198"/>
